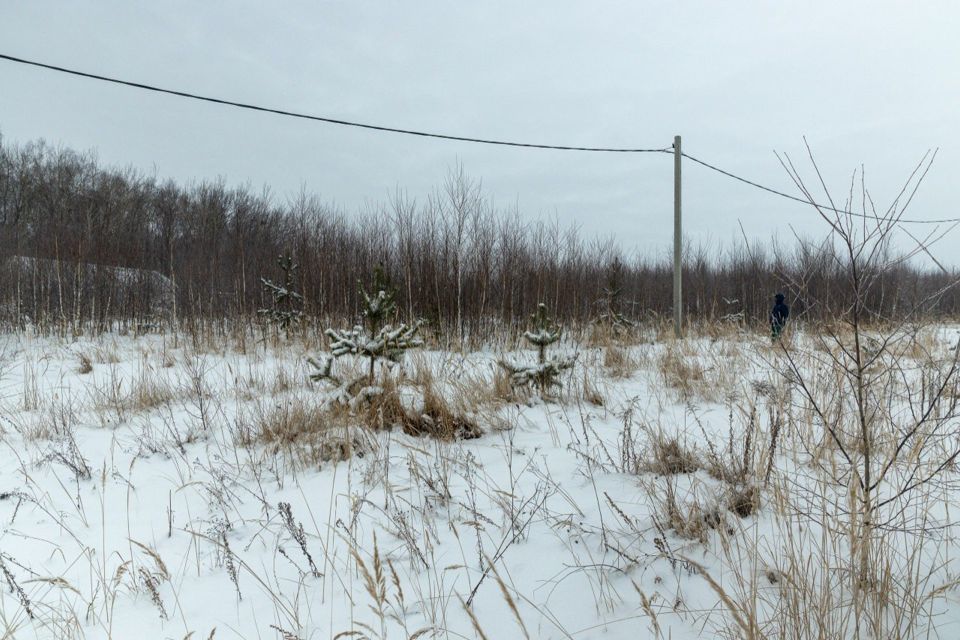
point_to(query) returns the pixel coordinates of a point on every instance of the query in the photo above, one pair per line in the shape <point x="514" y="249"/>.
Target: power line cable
<point x="808" y="202"/>
<point x="305" y="116"/>
<point x="426" y="134"/>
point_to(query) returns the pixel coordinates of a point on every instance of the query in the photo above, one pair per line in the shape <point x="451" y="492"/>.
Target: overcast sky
<point x="866" y="82"/>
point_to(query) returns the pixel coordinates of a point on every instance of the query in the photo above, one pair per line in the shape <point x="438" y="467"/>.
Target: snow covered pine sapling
<point x="377" y="341"/>
<point x="611" y="319"/>
<point x="545" y="374"/>
<point x="285" y="310"/>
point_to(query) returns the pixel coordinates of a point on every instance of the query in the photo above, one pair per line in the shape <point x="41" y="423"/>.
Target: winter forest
<point x="92" y="246"/>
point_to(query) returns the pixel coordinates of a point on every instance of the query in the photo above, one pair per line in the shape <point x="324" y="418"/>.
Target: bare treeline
<point x="85" y="245"/>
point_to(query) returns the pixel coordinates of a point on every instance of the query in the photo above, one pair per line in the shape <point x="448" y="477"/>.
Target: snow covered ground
<point x="165" y="487"/>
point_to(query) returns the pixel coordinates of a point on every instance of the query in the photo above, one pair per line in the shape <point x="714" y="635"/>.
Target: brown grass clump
<point x="106" y="353"/>
<point x="922" y="345"/>
<point x="435" y="417"/>
<point x="590" y="391"/>
<point x="599" y="335"/>
<point x="144" y="392"/>
<point x="55" y="417"/>
<point x="472" y="388"/>
<point x="378" y="407"/>
<point x="744" y="500"/>
<point x="688" y="518"/>
<point x="305" y="430"/>
<point x="669" y="457"/>
<point x="700" y="372"/>
<point x="85" y="366"/>
<point x="289" y="422"/>
<point x="618" y="362"/>
<point x="502" y="389"/>
<point x="149" y="392"/>
<point x="607" y="334"/>
<point x="439" y="420"/>
<point x="685" y="375"/>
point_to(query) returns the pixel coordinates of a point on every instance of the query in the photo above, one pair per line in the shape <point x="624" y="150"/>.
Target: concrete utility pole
<point x="677" y="243"/>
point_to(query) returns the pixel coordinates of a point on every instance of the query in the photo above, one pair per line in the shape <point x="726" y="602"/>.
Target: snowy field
<point x="177" y="487"/>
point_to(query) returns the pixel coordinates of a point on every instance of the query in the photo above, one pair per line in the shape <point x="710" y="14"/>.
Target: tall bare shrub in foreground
<point x="884" y="404"/>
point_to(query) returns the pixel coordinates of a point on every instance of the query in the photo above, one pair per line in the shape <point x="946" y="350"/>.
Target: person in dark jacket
<point x="778" y="317"/>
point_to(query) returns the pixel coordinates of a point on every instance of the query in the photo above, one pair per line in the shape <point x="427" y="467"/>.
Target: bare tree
<point x="884" y="403"/>
<point x="464" y="265"/>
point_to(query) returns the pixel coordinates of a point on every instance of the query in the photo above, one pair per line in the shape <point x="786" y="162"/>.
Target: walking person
<point x="778" y="317"/>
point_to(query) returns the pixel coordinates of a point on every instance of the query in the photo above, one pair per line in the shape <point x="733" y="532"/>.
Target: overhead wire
<point x="306" y="116"/>
<point x="808" y="202"/>
<point x="428" y="134"/>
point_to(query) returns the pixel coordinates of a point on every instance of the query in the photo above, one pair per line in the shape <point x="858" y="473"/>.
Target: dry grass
<point x="85" y="365"/>
<point x="605" y="334"/>
<point x="432" y="416"/>
<point x="689" y="515"/>
<point x="120" y="397"/>
<point x="795" y="581"/>
<point x="697" y="370"/>
<point x="667" y="455"/>
<point x="503" y="390"/>
<point x="289" y="421"/>
<point x="149" y="391"/>
<point x="619" y="362"/>
<point x="744" y="500"/>
<point x="590" y="391"/>
<point x="54" y="417"/>
<point x="302" y="431"/>
<point x="683" y="373"/>
<point x="440" y="419"/>
<point x="706" y="493"/>
<point x="106" y="352"/>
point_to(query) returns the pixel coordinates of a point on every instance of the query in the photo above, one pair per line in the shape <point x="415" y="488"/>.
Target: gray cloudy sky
<point x="867" y="82"/>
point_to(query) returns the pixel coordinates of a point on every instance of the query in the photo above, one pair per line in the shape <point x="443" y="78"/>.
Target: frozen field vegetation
<point x="198" y="486"/>
<point x="484" y="472"/>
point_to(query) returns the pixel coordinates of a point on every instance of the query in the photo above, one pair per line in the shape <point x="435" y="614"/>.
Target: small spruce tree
<point x="611" y="317"/>
<point x="285" y="310"/>
<point x="377" y="339"/>
<point x="546" y="373"/>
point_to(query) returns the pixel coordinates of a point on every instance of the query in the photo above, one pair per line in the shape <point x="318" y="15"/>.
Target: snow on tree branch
<point x="545" y="374"/>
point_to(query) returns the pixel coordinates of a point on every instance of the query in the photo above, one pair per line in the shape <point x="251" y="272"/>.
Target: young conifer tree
<point x="377" y="339"/>
<point x="546" y="373"/>
<point x="611" y="316"/>
<point x="285" y="311"/>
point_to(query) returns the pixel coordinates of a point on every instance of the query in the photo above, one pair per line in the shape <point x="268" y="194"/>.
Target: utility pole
<point x="677" y="243"/>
